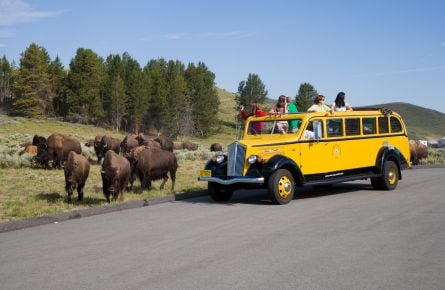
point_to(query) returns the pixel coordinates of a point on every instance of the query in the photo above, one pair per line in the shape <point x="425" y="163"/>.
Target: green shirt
<point x="293" y="124"/>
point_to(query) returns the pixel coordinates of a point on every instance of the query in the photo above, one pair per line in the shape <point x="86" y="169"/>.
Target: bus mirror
<point x="317" y="130"/>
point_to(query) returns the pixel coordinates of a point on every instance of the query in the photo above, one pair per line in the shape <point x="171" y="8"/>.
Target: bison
<point x="129" y="142"/>
<point x="166" y="143"/>
<point x="39" y="141"/>
<point x="76" y="169"/>
<point x="215" y="147"/>
<point x="57" y="148"/>
<point x="115" y="174"/>
<point x="152" y="164"/>
<point x="189" y="145"/>
<point x="418" y="151"/>
<point x="107" y="143"/>
<point x="143" y="139"/>
<point x="29" y="149"/>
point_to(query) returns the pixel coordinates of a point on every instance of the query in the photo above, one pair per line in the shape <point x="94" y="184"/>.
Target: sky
<point x="376" y="51"/>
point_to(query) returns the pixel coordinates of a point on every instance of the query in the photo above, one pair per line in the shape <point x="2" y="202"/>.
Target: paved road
<point x="350" y="237"/>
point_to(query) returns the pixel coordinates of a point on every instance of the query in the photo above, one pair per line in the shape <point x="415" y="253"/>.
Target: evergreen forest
<point x="163" y="96"/>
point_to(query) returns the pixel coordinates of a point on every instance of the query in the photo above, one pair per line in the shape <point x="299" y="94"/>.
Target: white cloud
<point x="17" y="11"/>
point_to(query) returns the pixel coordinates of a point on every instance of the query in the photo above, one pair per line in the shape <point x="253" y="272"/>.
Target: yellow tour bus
<point x="281" y="153"/>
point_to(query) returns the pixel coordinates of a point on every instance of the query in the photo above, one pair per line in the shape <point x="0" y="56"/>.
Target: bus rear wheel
<point x="389" y="179"/>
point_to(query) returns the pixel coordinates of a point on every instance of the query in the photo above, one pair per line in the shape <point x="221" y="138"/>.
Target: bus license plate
<point x="205" y="172"/>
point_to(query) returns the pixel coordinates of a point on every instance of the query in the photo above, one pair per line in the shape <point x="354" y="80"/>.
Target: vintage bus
<point x="323" y="149"/>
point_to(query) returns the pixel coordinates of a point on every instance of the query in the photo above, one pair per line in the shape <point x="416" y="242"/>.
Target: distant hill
<point x="422" y="123"/>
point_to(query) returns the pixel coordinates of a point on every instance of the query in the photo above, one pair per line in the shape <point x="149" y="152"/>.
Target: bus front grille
<point x="236" y="156"/>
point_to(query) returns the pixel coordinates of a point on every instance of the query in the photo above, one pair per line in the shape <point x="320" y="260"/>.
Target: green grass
<point x="435" y="156"/>
<point x="26" y="191"/>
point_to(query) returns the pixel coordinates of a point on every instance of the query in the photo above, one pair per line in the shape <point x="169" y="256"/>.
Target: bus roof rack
<point x="384" y="110"/>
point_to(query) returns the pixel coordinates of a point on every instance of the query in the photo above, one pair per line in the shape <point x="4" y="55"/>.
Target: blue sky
<point x="374" y="51"/>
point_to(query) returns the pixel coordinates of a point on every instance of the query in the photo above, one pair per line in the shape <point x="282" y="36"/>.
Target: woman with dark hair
<point x="319" y="105"/>
<point x="340" y="104"/>
<point x="280" y="109"/>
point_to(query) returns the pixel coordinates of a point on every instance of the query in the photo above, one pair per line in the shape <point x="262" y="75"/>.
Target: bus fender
<point x="393" y="154"/>
<point x="279" y="162"/>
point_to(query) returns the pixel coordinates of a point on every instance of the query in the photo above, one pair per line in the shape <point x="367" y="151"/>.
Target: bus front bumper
<point x="249" y="180"/>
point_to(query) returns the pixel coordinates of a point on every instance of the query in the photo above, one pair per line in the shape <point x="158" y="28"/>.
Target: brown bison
<point x="105" y="144"/>
<point x="166" y="143"/>
<point x="96" y="145"/>
<point x="142" y="138"/>
<point x="57" y="148"/>
<point x="38" y="141"/>
<point x="152" y="164"/>
<point x="215" y="147"/>
<point x="129" y="142"/>
<point x="189" y="145"/>
<point x="29" y="149"/>
<point x="418" y="151"/>
<point x="76" y="169"/>
<point x="115" y="174"/>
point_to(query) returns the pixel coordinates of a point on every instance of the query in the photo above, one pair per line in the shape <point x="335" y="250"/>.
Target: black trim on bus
<point x="324" y="140"/>
<point x="341" y="176"/>
<point x="280" y="161"/>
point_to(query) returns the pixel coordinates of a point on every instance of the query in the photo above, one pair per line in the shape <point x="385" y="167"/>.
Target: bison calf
<point x="115" y="174"/>
<point x="29" y="149"/>
<point x="77" y="169"/>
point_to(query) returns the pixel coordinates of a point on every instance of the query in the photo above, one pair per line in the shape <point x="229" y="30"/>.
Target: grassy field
<point x="26" y="191"/>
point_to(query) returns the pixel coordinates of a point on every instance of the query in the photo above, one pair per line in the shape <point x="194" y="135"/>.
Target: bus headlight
<point x="252" y="159"/>
<point x="219" y="158"/>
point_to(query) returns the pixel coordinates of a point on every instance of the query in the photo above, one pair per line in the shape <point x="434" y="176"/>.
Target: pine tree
<point x="203" y="97"/>
<point x="57" y="75"/>
<point x="305" y="97"/>
<point x="252" y="90"/>
<point x="115" y="98"/>
<point x="85" y="83"/>
<point x="33" y="87"/>
<point x="6" y="80"/>
<point x="179" y="111"/>
<point x="156" y="115"/>
<point x="136" y="93"/>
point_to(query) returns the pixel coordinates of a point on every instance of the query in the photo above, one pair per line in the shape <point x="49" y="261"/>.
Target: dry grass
<point x="29" y="192"/>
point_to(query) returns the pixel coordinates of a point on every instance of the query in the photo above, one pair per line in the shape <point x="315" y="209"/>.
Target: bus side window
<point x="369" y="126"/>
<point x="395" y="125"/>
<point x="352" y="126"/>
<point x="334" y="127"/>
<point x="383" y="125"/>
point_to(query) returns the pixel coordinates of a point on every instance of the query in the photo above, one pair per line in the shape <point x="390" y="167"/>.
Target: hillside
<point x="422" y="123"/>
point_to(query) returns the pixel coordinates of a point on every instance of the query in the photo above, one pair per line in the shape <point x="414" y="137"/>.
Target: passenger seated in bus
<point x="255" y="127"/>
<point x="309" y="134"/>
<point x="280" y="109"/>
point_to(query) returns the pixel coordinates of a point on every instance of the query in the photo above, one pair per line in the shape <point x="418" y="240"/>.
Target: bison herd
<point x="141" y="156"/>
